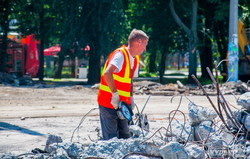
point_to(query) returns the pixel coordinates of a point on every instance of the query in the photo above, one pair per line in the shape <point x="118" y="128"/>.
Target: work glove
<point x="115" y="100"/>
<point x="132" y="102"/>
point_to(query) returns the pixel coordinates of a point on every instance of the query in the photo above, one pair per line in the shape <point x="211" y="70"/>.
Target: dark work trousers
<point x="111" y="125"/>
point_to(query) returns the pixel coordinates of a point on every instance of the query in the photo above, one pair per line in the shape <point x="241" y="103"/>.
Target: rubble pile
<point x="207" y="133"/>
<point x="202" y="135"/>
<point x="154" y="88"/>
<point x="13" y="80"/>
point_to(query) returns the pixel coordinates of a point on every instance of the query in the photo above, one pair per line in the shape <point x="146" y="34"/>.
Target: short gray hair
<point x="137" y="34"/>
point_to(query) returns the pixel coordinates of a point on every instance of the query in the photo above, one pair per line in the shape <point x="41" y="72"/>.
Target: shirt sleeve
<point x="117" y="60"/>
<point x="136" y="72"/>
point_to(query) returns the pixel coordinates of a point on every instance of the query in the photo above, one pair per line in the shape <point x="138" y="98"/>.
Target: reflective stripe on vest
<point x="122" y="80"/>
<point x="125" y="79"/>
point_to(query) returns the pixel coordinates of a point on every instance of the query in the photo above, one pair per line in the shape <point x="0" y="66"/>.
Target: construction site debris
<point x="171" y="89"/>
<point x="202" y="135"/>
<point x="218" y="133"/>
<point x="244" y="101"/>
<point x="198" y="114"/>
<point x="52" y="139"/>
<point x="13" y="80"/>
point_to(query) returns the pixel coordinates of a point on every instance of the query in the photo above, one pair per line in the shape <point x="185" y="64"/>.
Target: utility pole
<point x="233" y="42"/>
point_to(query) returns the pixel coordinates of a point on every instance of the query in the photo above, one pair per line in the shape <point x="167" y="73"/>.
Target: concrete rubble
<point x="154" y="88"/>
<point x="201" y="136"/>
<point x="207" y="133"/>
<point x="244" y="101"/>
<point x="14" y="80"/>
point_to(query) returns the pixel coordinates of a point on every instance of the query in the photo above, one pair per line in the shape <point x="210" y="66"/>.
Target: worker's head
<point x="138" y="41"/>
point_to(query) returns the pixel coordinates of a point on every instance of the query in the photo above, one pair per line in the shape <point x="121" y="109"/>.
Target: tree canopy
<point x="192" y="26"/>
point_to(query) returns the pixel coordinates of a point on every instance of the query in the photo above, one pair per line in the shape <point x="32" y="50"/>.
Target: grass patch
<point x="148" y="75"/>
<point x="175" y="74"/>
<point x="50" y="72"/>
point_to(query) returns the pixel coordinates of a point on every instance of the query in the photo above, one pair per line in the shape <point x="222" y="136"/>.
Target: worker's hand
<point x="132" y="102"/>
<point x="115" y="100"/>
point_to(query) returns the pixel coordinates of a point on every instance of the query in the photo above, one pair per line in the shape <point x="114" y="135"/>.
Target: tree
<point x="106" y="26"/>
<point x="160" y="28"/>
<point x="93" y="22"/>
<point x="35" y="17"/>
<point x="6" y="8"/>
<point x="191" y="33"/>
<point x="220" y="31"/>
<point x="67" y="15"/>
<point x="205" y="36"/>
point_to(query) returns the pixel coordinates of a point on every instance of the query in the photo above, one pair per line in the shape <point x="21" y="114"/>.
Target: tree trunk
<point x="206" y="46"/>
<point x="192" y="61"/>
<point x="73" y="66"/>
<point x="41" y="55"/>
<point x="162" y="66"/>
<point x="60" y="60"/>
<point x="5" y="27"/>
<point x="94" y="65"/>
<point x="220" y="33"/>
<point x="192" y="36"/>
<point x="152" y="59"/>
<point x="206" y="58"/>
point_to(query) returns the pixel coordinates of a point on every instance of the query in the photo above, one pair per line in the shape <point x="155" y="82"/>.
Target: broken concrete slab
<point x="244" y="101"/>
<point x="198" y="114"/>
<point x="173" y="150"/>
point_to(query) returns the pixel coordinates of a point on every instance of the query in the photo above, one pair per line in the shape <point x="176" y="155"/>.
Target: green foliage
<point x="154" y="18"/>
<point x="244" y="12"/>
<point x="105" y="25"/>
<point x="50" y="73"/>
<point x="146" y="74"/>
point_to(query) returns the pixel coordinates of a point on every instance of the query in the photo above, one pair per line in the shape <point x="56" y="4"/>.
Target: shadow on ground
<point x="7" y="126"/>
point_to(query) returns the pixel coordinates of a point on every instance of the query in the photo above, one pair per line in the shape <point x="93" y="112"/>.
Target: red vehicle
<point x="22" y="56"/>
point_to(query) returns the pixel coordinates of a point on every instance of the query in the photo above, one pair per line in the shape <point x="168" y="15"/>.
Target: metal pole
<point x="233" y="42"/>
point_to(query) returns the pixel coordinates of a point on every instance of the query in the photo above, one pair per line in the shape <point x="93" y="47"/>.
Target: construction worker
<point x="116" y="84"/>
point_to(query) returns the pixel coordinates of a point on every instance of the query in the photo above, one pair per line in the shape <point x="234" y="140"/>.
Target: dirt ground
<point x="28" y="115"/>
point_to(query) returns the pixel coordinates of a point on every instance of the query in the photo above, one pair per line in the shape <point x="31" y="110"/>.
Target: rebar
<point x="169" y="126"/>
<point x="223" y="101"/>
<point x="220" y="115"/>
<point x="83" y="118"/>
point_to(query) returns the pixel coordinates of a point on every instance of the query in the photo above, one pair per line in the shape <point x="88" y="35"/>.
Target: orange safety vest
<point x="122" y="80"/>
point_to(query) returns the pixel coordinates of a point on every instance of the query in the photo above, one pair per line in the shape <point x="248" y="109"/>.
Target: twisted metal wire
<point x="83" y="118"/>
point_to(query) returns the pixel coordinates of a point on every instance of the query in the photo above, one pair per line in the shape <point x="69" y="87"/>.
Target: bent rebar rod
<point x="223" y="103"/>
<point x="209" y="99"/>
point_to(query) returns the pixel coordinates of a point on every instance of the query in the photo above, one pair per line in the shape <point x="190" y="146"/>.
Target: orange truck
<point x="244" y="53"/>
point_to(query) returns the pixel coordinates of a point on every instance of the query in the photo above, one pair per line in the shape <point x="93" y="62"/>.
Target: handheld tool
<point x="124" y="111"/>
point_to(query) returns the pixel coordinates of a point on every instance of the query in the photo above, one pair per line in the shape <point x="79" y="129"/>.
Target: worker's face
<point x="142" y="44"/>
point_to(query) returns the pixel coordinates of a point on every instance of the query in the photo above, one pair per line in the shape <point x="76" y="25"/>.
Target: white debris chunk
<point x="244" y="100"/>
<point x="73" y="150"/>
<point x="197" y="114"/>
<point x="52" y="139"/>
<point x="106" y="149"/>
<point x="195" y="151"/>
<point x="246" y="122"/>
<point x="173" y="150"/>
<point x="181" y="131"/>
<point x="135" y="130"/>
<point x="239" y="115"/>
<point x="61" y="153"/>
<point x="203" y="131"/>
<point x="227" y="136"/>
